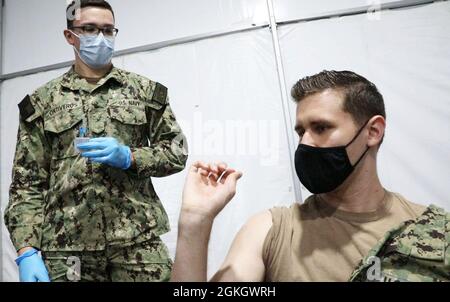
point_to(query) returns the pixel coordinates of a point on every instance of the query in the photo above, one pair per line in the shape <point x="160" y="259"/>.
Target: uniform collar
<point x="74" y="81"/>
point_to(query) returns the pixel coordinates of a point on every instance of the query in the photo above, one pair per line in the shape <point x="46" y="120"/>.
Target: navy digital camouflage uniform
<point x="144" y="262"/>
<point x="60" y="201"/>
<point x="417" y="250"/>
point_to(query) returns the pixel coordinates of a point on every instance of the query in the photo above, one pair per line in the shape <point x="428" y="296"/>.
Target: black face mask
<point x="322" y="170"/>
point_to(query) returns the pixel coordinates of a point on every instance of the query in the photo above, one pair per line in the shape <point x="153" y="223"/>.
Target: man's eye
<point x="320" y="129"/>
<point x="108" y="31"/>
<point x="90" y="29"/>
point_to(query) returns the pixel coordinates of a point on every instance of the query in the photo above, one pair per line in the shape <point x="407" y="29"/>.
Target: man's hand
<point x="31" y="267"/>
<point x="207" y="190"/>
<point x="107" y="150"/>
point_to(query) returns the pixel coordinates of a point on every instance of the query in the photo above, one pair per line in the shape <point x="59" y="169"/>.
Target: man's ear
<point x="70" y="37"/>
<point x="377" y="126"/>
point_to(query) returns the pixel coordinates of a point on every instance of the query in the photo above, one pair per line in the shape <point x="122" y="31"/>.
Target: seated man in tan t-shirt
<point x="341" y="121"/>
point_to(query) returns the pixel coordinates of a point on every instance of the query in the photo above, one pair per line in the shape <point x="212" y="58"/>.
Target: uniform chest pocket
<point x="62" y="129"/>
<point x="129" y="125"/>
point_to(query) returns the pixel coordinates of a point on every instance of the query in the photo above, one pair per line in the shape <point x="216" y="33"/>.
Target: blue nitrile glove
<point x="107" y="150"/>
<point x="31" y="267"/>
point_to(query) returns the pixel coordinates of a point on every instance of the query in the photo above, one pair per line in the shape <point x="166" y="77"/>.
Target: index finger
<point x="201" y="165"/>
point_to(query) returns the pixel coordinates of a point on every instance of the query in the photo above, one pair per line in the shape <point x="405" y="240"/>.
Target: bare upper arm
<point x="244" y="261"/>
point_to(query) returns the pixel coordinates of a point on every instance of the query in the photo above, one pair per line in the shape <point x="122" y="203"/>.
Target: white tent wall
<point x="406" y="53"/>
<point x="217" y="83"/>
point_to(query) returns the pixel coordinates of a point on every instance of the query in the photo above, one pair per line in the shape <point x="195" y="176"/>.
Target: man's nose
<point x="307" y="139"/>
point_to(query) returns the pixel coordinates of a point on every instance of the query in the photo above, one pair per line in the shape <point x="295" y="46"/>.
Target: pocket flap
<point x="63" y="121"/>
<point x="128" y="115"/>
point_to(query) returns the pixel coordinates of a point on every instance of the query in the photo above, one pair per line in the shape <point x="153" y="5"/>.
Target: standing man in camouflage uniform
<point x="91" y="208"/>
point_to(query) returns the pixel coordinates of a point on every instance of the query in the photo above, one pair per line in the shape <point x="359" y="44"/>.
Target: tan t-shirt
<point x="316" y="242"/>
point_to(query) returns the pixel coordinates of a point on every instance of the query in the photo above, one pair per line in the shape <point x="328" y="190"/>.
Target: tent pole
<point x="285" y="100"/>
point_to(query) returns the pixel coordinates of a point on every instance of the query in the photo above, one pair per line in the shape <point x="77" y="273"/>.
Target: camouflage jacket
<point x="60" y="201"/>
<point x="417" y="250"/>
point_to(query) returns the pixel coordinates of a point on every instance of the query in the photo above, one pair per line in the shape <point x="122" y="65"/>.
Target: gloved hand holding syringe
<point x="104" y="150"/>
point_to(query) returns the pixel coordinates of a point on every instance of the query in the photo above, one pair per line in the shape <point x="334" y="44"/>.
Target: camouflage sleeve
<point x="24" y="213"/>
<point x="167" y="153"/>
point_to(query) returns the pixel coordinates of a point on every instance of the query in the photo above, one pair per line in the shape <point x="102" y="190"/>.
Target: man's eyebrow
<point x="320" y="122"/>
<point x="97" y="25"/>
<point x="299" y="126"/>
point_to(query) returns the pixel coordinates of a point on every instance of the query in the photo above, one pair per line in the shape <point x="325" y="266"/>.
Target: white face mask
<point x="95" y="51"/>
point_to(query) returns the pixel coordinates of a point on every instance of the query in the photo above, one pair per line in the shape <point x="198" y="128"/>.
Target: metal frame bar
<point x="284" y="100"/>
<point x="361" y="10"/>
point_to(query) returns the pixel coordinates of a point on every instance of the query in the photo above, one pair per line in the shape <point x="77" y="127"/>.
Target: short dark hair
<point x="361" y="97"/>
<point x="85" y="3"/>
